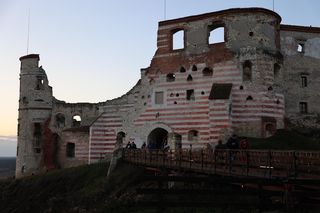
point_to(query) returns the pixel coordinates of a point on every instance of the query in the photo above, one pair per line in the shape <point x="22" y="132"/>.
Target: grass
<point x="285" y="140"/>
<point x="55" y="190"/>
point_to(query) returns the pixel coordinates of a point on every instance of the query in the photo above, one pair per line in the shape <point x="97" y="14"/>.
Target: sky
<point x="93" y="50"/>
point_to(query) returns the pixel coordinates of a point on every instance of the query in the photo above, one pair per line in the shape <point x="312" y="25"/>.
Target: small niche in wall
<point x="194" y="68"/>
<point x="249" y="98"/>
<point x="182" y="69"/>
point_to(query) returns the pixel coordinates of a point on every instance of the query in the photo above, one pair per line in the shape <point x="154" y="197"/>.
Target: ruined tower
<point x="35" y="105"/>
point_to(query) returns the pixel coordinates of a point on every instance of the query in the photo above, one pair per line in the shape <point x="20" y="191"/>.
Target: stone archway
<point x="157" y="138"/>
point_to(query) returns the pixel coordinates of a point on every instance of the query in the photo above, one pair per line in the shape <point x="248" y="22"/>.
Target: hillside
<point x="286" y="140"/>
<point x="80" y="189"/>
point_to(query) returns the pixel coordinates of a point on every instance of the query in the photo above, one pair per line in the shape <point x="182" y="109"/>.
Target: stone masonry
<point x="260" y="77"/>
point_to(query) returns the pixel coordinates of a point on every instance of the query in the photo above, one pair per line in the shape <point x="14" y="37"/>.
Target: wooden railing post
<point x="163" y="158"/>
<point x="270" y="164"/>
<point x="190" y="156"/>
<point x="295" y="165"/>
<point x="201" y="159"/>
<point x="248" y="161"/>
<point x="215" y="160"/>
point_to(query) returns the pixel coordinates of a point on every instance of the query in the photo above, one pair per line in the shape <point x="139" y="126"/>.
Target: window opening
<point x="40" y="82"/>
<point x="189" y="78"/>
<point x="304" y="81"/>
<point x="60" y="120"/>
<point x="194" y="68"/>
<point x="216" y="35"/>
<point x="300" y="48"/>
<point x="303" y="107"/>
<point x="171" y="77"/>
<point x="207" y="71"/>
<point x="37" y="137"/>
<point x="70" y="150"/>
<point x="182" y="69"/>
<point x="247" y="70"/>
<point x="76" y="121"/>
<point x="158" y="98"/>
<point x="190" y="95"/>
<point x="178" y="40"/>
<point x="241" y="87"/>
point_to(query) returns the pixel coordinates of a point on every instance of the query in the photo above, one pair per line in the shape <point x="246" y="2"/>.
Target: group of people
<point x="131" y="145"/>
<point x="234" y="142"/>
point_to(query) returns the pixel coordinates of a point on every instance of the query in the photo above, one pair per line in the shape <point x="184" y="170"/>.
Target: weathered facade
<point x="258" y="76"/>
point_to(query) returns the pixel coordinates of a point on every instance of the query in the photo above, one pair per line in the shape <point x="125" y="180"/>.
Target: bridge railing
<point x="256" y="163"/>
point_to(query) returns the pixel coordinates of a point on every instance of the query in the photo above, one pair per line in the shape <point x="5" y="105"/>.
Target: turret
<point x="35" y="106"/>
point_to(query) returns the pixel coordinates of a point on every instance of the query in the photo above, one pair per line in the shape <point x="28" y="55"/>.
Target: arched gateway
<point x="157" y="138"/>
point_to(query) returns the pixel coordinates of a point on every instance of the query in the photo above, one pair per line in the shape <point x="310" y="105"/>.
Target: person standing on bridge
<point x="233" y="142"/>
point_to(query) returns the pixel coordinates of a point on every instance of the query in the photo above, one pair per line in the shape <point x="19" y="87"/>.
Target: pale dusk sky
<point x="93" y="50"/>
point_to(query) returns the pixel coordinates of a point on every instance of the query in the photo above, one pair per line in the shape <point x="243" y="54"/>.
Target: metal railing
<point x="253" y="163"/>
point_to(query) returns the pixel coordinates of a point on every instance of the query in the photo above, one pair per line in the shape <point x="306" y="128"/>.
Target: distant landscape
<point x="7" y="166"/>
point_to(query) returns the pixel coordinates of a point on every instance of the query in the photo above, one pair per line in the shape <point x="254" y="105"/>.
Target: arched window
<point x="247" y="70"/>
<point x="194" y="68"/>
<point x="216" y="34"/>
<point x="40" y="83"/>
<point x="189" y="78"/>
<point x="60" y="120"/>
<point x="182" y="69"/>
<point x="300" y="47"/>
<point x="120" y="139"/>
<point x="178" y="40"/>
<point x="171" y="77"/>
<point x="76" y="121"/>
<point x="193" y="135"/>
<point x="249" y="98"/>
<point x="207" y="71"/>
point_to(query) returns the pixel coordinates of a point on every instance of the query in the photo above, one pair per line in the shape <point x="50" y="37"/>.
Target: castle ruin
<point x="260" y="76"/>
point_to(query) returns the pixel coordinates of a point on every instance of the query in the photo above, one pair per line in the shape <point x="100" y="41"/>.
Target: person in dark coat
<point x="128" y="146"/>
<point x="133" y="145"/>
<point x="233" y="142"/>
<point x="144" y="146"/>
<point x="220" y="145"/>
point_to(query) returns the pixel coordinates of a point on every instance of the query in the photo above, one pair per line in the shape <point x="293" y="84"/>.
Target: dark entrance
<point x="157" y="138"/>
<point x="120" y="138"/>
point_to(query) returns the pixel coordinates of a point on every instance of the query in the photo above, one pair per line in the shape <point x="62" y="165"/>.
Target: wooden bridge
<point x="267" y="164"/>
<point x="263" y="178"/>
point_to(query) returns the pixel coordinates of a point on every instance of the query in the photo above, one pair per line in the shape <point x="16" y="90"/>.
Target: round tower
<point x="35" y="106"/>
